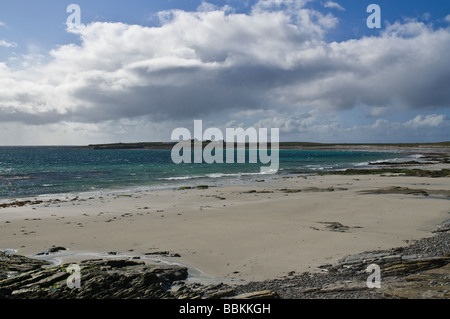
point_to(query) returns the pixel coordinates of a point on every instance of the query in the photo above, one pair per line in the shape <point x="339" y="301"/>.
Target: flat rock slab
<point x="429" y="284"/>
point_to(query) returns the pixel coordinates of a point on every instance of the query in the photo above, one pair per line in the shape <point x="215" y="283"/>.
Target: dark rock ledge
<point x="419" y="270"/>
<point x="26" y="278"/>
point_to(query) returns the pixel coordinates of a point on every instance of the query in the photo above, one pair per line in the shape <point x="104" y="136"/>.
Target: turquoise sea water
<point x="33" y="171"/>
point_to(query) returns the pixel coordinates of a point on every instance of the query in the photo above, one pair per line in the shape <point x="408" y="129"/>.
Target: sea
<point x="40" y="171"/>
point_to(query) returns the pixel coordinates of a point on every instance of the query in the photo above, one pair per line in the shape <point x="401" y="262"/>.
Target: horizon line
<point x="293" y="143"/>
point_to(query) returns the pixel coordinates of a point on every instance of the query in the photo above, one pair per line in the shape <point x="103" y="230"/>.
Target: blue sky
<point x="43" y="22"/>
<point x="310" y="67"/>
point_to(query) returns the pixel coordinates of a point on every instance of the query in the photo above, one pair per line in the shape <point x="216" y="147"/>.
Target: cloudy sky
<point x="135" y="70"/>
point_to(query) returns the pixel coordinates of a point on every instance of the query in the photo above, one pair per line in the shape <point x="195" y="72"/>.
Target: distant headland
<point x="282" y="145"/>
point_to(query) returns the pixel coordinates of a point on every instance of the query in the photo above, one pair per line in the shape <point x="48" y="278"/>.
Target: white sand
<point x="246" y="236"/>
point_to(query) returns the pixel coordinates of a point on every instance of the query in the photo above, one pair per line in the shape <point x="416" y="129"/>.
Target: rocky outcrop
<point x="26" y="278"/>
<point x="419" y="270"/>
<point x="429" y="284"/>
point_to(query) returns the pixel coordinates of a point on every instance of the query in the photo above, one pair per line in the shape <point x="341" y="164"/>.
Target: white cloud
<point x="322" y="127"/>
<point x="217" y="63"/>
<point x="447" y="18"/>
<point x="334" y="5"/>
<point x="423" y="121"/>
<point x="206" y="6"/>
<point x="7" y="44"/>
<point x="187" y="66"/>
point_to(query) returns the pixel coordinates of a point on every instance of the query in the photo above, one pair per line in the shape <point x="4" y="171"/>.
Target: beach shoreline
<point x="220" y="179"/>
<point x="238" y="233"/>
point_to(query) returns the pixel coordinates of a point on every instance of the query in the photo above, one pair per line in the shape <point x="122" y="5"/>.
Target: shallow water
<point x="35" y="171"/>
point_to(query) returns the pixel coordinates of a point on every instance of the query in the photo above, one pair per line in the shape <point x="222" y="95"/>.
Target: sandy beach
<point x="259" y="231"/>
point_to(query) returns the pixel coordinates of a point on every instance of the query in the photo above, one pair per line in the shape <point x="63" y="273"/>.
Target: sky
<point x="133" y="71"/>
